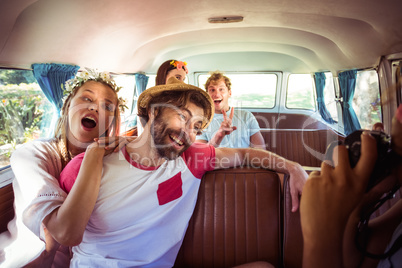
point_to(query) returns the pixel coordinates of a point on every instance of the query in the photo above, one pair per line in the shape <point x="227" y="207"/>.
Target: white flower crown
<point x="93" y="75"/>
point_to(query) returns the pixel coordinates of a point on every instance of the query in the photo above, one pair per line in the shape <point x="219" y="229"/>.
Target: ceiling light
<point x="225" y="19"/>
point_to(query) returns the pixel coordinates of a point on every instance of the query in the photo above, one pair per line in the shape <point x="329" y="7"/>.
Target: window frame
<point x="313" y="92"/>
<point x="379" y="92"/>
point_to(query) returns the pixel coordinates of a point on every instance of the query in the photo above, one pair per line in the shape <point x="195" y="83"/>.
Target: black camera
<point x="385" y="159"/>
<point x="385" y="156"/>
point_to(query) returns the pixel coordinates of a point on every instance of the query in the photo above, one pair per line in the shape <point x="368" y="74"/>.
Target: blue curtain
<point x="320" y="85"/>
<point x="141" y="81"/>
<point x="347" y="83"/>
<point x="51" y="77"/>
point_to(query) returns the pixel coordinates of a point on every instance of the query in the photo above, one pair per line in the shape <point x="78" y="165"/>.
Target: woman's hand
<point x="328" y="199"/>
<point x="67" y="223"/>
<point x="335" y="192"/>
<point x="114" y="143"/>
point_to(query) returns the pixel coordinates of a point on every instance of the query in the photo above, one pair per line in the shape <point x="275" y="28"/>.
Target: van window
<point x="249" y="90"/>
<point x="300" y="92"/>
<point x="151" y="80"/>
<point x="366" y="101"/>
<point x="329" y="96"/>
<point x="25" y="112"/>
<point x="397" y="73"/>
<point x="127" y="84"/>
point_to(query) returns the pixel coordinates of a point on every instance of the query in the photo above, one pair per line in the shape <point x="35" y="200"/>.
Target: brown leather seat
<point x="307" y="147"/>
<point x="237" y="220"/>
<point x="6" y="206"/>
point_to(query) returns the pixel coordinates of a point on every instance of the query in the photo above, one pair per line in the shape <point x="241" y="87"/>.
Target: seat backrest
<point x="6" y="206"/>
<point x="307" y="147"/>
<point x="288" y="121"/>
<point x="237" y="219"/>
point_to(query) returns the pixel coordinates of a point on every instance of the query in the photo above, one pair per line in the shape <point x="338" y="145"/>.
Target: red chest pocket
<point x="170" y="190"/>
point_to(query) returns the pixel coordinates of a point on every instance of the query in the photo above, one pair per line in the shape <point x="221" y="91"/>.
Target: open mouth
<point x="88" y="122"/>
<point x="217" y="101"/>
<point x="176" y="140"/>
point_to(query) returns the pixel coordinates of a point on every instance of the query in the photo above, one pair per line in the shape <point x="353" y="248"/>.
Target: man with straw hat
<point x="148" y="190"/>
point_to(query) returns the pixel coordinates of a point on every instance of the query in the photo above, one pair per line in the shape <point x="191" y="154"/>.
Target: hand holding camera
<point x="386" y="158"/>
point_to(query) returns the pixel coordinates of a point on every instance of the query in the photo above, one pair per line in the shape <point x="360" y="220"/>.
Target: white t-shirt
<point x="141" y="213"/>
<point x="246" y="125"/>
<point x="36" y="166"/>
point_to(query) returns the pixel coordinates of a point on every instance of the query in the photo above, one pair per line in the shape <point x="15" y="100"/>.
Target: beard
<point x="161" y="136"/>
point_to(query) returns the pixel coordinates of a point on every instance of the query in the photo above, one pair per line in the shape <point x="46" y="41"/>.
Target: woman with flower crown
<point x="90" y="111"/>
<point x="171" y="68"/>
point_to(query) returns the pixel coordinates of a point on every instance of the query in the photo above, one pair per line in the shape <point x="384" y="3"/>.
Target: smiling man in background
<point x="229" y="127"/>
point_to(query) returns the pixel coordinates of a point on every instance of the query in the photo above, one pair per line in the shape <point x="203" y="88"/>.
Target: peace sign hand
<point x="226" y="126"/>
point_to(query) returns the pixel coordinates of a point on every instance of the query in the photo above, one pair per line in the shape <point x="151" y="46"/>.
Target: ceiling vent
<point x="225" y="19"/>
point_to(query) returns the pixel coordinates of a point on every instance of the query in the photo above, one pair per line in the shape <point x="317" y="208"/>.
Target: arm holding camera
<point x="323" y="219"/>
<point x="335" y="201"/>
<point x="383" y="230"/>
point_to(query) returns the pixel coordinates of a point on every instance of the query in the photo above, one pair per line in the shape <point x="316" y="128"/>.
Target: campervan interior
<point x="292" y="64"/>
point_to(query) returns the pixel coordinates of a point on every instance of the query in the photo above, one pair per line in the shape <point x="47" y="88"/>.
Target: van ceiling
<point x="128" y="36"/>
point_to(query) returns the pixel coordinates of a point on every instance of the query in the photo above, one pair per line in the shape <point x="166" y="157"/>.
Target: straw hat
<point x="174" y="84"/>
